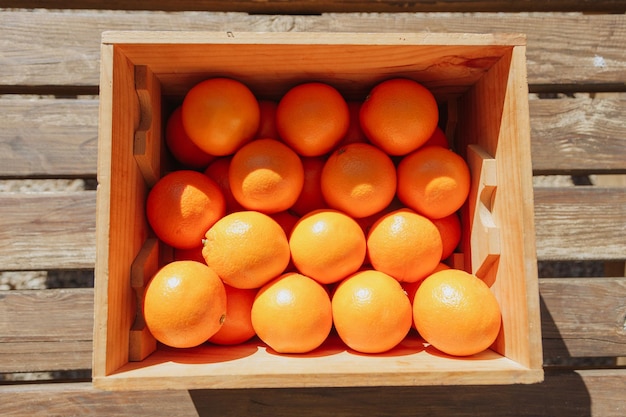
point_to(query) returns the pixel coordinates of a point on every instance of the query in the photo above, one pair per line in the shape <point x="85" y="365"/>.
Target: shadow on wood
<point x="561" y="394"/>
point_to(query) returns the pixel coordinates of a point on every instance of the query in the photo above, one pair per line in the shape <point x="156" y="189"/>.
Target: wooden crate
<point x="480" y="83"/>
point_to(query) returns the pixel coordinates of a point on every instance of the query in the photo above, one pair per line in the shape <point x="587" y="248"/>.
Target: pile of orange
<point x="296" y="218"/>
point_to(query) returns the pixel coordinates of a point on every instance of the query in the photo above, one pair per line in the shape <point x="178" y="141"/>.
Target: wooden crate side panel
<point x="494" y="115"/>
<point x="514" y="145"/>
<point x="124" y="228"/>
<point x="351" y="63"/>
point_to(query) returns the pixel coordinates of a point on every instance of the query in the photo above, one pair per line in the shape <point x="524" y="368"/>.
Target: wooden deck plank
<point x="47" y="230"/>
<point x="571" y="393"/>
<point x="46" y="330"/>
<point x="46" y="356"/>
<point x="587" y="135"/>
<point x="57" y="230"/>
<point x="321" y="6"/>
<point x="49" y="330"/>
<point x="48" y="137"/>
<point x="50" y="49"/>
<point x="583" y="317"/>
<point x="580" y="223"/>
<point x="57" y="137"/>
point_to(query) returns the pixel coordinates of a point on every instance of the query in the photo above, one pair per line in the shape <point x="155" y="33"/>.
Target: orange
<point x="433" y="181"/>
<point x="183" y="149"/>
<point x="286" y="219"/>
<point x="237" y="327"/>
<point x="266" y="175"/>
<point x="358" y="179"/>
<point x="267" y="123"/>
<point x="456" y="313"/>
<point x="354" y="133"/>
<point x="181" y="207"/>
<point x="327" y="245"/>
<point x="312" y="118"/>
<point x="292" y="314"/>
<point x="438" y="138"/>
<point x="371" y="312"/>
<point x="450" y="230"/>
<point x="411" y="287"/>
<point x="184" y="304"/>
<point x="192" y="254"/>
<point x="405" y="245"/>
<point x="218" y="172"/>
<point x="220" y="115"/>
<point x="399" y="115"/>
<point x="246" y="249"/>
<point x="310" y="197"/>
<point x="367" y="222"/>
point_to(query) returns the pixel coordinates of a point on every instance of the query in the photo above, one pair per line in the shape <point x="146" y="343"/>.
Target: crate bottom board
<point x="254" y="365"/>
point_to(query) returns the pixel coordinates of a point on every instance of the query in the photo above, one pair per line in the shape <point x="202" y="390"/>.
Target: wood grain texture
<point x="583" y="316"/>
<point x="47" y="230"/>
<point x="322" y="6"/>
<point x="48" y="137"/>
<point x="580" y="223"/>
<point x="46" y="330"/>
<point x="562" y="394"/>
<point x="49" y="330"/>
<point x="57" y="230"/>
<point x="49" y="48"/>
<point x="587" y="135"/>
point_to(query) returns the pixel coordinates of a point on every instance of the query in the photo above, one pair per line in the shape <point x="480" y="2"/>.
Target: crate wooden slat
<point x="53" y="49"/>
<point x="562" y="394"/>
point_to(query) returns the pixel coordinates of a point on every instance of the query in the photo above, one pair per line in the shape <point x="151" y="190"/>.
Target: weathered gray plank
<point x="47" y="137"/>
<point x="46" y="330"/>
<point x="47" y="230"/>
<point x="574" y="393"/>
<point x="578" y="135"/>
<point x="57" y="230"/>
<point x="46" y="356"/>
<point x="583" y="317"/>
<point x="49" y="48"/>
<point x="580" y="223"/>
<point x="322" y="6"/>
